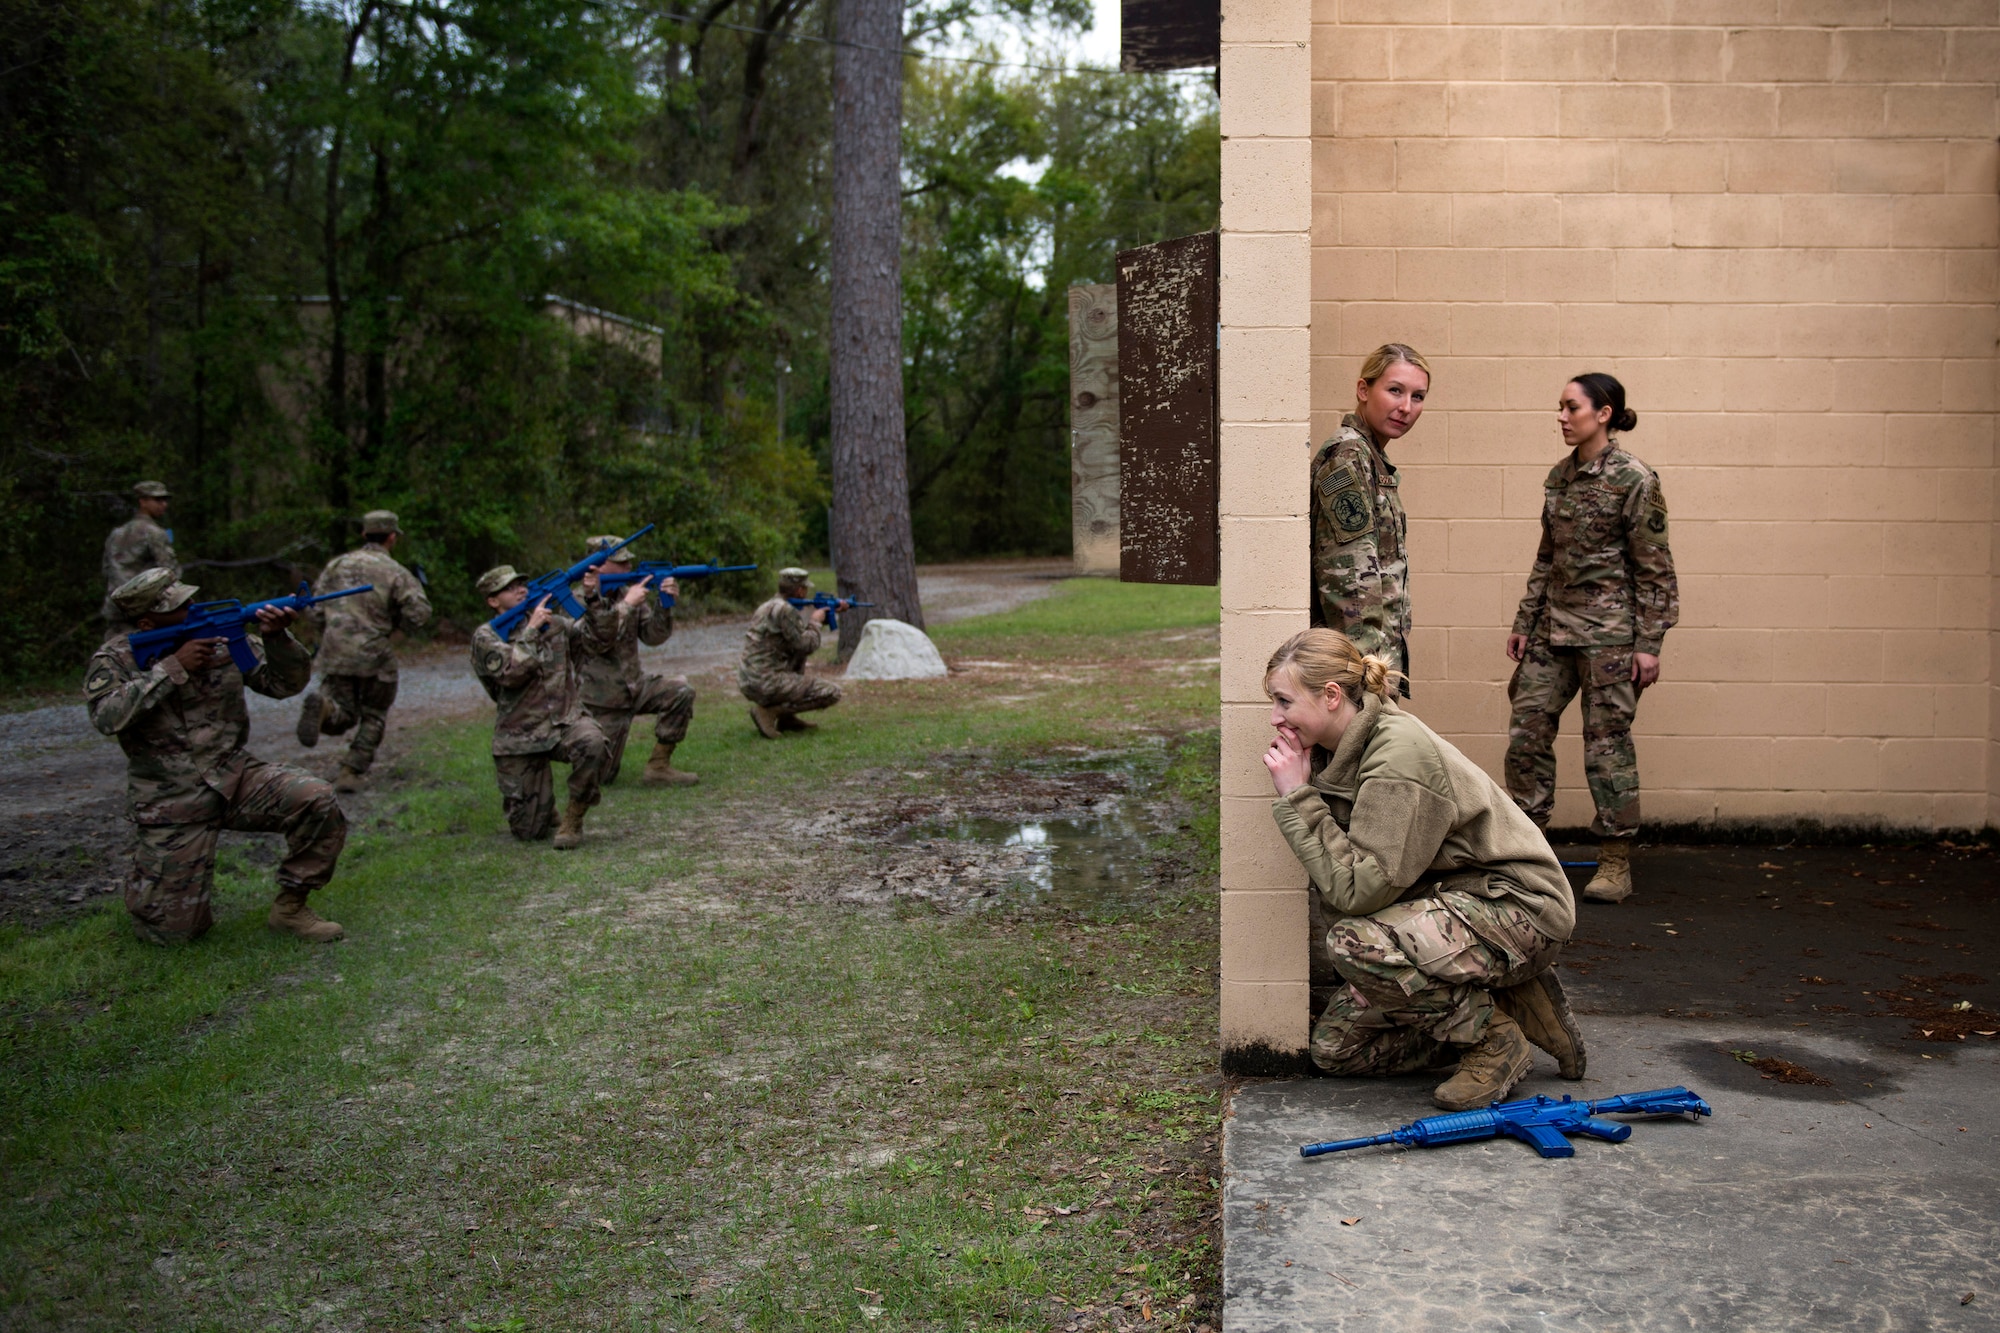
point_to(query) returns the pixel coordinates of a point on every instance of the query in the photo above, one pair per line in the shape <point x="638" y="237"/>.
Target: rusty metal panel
<point x="1169" y="34"/>
<point x="1168" y="526"/>
<point x="1093" y="427"/>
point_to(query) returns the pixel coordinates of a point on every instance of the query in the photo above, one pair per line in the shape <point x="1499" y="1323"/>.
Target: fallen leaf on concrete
<point x="1350" y="1221"/>
<point x="1967" y="1298"/>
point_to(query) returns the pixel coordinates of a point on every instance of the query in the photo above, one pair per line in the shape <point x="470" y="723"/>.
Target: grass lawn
<point x="754" y="1057"/>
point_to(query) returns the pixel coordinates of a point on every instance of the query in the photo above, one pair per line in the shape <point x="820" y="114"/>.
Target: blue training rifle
<point x="831" y="605"/>
<point x="555" y="586"/>
<point x="229" y="621"/>
<point x="609" y="584"/>
<point x="1542" y="1122"/>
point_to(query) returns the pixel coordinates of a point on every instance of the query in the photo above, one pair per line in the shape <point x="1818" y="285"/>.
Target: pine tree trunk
<point x="871" y="492"/>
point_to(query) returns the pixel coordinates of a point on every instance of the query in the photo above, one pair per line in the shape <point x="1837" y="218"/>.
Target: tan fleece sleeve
<point x="1350" y="880"/>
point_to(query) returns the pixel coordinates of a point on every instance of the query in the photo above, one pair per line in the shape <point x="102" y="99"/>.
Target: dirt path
<point x="63" y="835"/>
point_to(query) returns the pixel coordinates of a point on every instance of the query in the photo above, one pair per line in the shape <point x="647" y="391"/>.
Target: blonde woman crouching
<point x="1448" y="906"/>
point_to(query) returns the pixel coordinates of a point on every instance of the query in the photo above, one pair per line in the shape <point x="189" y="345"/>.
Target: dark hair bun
<point x="1626" y="420"/>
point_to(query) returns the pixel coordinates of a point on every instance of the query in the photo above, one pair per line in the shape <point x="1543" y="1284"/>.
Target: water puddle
<point x="1094" y="860"/>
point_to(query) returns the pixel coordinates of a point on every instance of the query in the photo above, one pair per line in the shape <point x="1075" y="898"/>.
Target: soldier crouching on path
<point x="1448" y="906"/>
<point x="772" y="674"/>
<point x="616" y="688"/>
<point x="182" y="724"/>
<point x="357" y="663"/>
<point x="532" y="681"/>
<point x="135" y="547"/>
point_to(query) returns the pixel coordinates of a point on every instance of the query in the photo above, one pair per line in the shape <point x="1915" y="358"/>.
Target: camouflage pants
<point x="1545" y="681"/>
<point x="359" y="704"/>
<point x="671" y="697"/>
<point x="789" y="691"/>
<point x="173" y="871"/>
<point x="528" y="788"/>
<point x="1419" y="975"/>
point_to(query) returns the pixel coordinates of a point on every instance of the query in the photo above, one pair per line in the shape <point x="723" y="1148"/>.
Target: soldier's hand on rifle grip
<point x="540" y="615"/>
<point x="201" y="654"/>
<point x="636" y="593"/>
<point x="590" y="582"/>
<point x="1517" y="646"/>
<point x="273" y="618"/>
<point x="817" y="615"/>
<point x="1645" y="669"/>
<point x="670" y="586"/>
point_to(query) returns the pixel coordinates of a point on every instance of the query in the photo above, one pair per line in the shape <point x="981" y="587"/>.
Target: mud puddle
<point x="1093" y="861"/>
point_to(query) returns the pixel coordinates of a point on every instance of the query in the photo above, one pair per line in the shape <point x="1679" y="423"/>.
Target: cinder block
<point x="1266" y="279"/>
<point x="1831" y="330"/>
<point x="1888" y="55"/>
<point x="1350" y="273"/>
<point x="1533" y="388"/>
<point x="1509" y="11"/>
<point x="1783" y="275"/>
<point x="1497" y="329"/>
<point x="1826" y="763"/>
<point x="1779" y="385"/>
<point x="1394" y="11"/>
<point x="1675" y="393"/>
<point x="1830" y="656"/>
<point x="1496" y="546"/>
<point x="1973" y="167"/>
<point x="1974" y="54"/>
<point x="1721" y="655"/>
<point x="1251" y="549"/>
<point x="1556" y="54"/>
<point x="1654" y="167"/>
<point x="1346" y="166"/>
<point x="1949" y="221"/>
<point x="1248" y="639"/>
<point x="1266" y="185"/>
<point x="1754" y="601"/>
<point x="1941" y="330"/>
<point x="1891" y="809"/>
<point x="1271" y="1015"/>
<point x="1730" y="221"/>
<point x="1830" y="111"/>
<point x="1666" y="55"/>
<point x="1721" y="111"/>
<point x="1270" y="91"/>
<point x="1246" y="734"/>
<point x="1673" y="275"/>
<point x="1962" y="810"/>
<point x="1389" y="110"/>
<point x="1266" y="21"/>
<point x="1447" y="54"/>
<point x="1890" y="275"/>
<point x="1779" y="55"/>
<point x="1862" y="167"/>
<point x="1349" y="54"/>
<point x="1263" y="469"/>
<point x="1961" y="710"/>
<point x="1899" y="708"/>
<point x="1325" y="333"/>
<point x="1737" y="332"/>
<point x="1447" y="164"/>
<point x="1366" y="325"/>
<point x="1933" y="764"/>
<point x="1756" y="709"/>
<point x="1934" y="548"/>
<point x="1542" y="165"/>
<point x="1780" y="167"/>
<point x="1959" y="111"/>
<point x="1635" y="111"/>
<point x="1509" y="110"/>
<point x="1878" y="384"/>
<point x="1264" y="934"/>
<point x="1755" y="805"/>
<point x="1597" y="331"/>
<point x="1970" y="386"/>
<point x="1451" y="275"/>
<point x="1823" y="439"/>
<point x="1396" y="219"/>
<point x="1881" y="494"/>
<point x="1964" y="495"/>
<point x="1560" y="275"/>
<point x="1462" y="383"/>
<point x="1882" y="601"/>
<point x="1506" y="220"/>
<point x="1940" y="13"/>
<point x="1262" y="374"/>
<point x="1706" y="761"/>
<point x="1833" y="13"/>
<point x="1619" y="220"/>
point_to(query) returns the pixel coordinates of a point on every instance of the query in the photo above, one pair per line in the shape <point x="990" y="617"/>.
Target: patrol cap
<point x="497" y="579"/>
<point x="793" y="574"/>
<point x="152" y="592"/>
<point x="379" y="521"/>
<point x="606" y="540"/>
<point x="150" y="490"/>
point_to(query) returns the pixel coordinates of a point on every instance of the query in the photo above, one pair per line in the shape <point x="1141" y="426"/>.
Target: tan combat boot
<point x="765" y="721"/>
<point x="310" y="713"/>
<point x="1613" y="881"/>
<point x="1488" y="1071"/>
<point x="289" y="913"/>
<point x="569" y="833"/>
<point x="1541" y="1010"/>
<point x="348" y="781"/>
<point x="660" y="769"/>
<point x="793" y="722"/>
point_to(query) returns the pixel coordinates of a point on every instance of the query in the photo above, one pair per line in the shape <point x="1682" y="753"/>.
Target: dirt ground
<point x="63" y="835"/>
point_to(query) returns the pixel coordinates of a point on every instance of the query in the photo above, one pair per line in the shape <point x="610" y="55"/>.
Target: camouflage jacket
<point x="1361" y="569"/>
<point x="611" y="671"/>
<point x="183" y="732"/>
<point x="780" y="640"/>
<point x="354" y="631"/>
<point x="133" y="548"/>
<point x="532" y="680"/>
<point x="1603" y="574"/>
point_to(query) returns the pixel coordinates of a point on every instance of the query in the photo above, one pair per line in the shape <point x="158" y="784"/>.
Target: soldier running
<point x="532" y="680"/>
<point x="772" y="674"/>
<point x="617" y="688"/>
<point x="1360" y="558"/>
<point x="136" y="546"/>
<point x="357" y="662"/>
<point x="182" y="724"/>
<point x="1600" y="600"/>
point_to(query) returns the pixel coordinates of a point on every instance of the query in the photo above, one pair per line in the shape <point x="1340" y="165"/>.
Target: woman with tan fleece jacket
<point x="1448" y="905"/>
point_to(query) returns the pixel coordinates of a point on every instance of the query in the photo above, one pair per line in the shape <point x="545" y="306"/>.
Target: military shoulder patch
<point x="100" y="680"/>
<point x="1653" y="527"/>
<point x="1353" y="516"/>
<point x="1337" y="479"/>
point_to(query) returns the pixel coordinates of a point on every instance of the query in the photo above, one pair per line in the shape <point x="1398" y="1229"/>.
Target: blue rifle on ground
<point x="229" y="621"/>
<point x="831" y="605"/>
<point x="660" y="570"/>
<point x="555" y="586"/>
<point x="1540" y="1121"/>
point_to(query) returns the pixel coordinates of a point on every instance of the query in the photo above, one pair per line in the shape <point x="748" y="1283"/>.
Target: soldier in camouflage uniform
<point x="137" y="546"/>
<point x="532" y="680"/>
<point x="617" y="688"/>
<point x="357" y="664"/>
<point x="1600" y="600"/>
<point x="1361" y="569"/>
<point x="182" y="725"/>
<point x="772" y="674"/>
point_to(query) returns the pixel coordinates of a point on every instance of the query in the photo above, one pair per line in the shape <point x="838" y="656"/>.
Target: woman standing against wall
<point x="1600" y="600"/>
<point x="1361" y="570"/>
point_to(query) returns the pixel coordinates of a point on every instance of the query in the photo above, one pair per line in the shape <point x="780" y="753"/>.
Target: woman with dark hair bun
<point x="1600" y="600"/>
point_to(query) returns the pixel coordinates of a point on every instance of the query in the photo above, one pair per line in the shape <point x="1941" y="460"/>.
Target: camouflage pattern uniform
<point x="1360" y="564"/>
<point x="188" y="777"/>
<point x="532" y="681"/>
<point x="1602" y="589"/>
<point x="133" y="548"/>
<point x="357" y="665"/>
<point x="616" y="688"/>
<point x="772" y="673"/>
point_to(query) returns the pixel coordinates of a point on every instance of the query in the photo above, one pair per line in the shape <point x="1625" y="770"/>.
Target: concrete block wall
<point x="1777" y="222"/>
<point x="1263" y="373"/>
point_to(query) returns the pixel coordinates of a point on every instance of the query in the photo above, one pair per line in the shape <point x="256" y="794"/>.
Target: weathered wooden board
<point x="1167" y="517"/>
<point x="1168" y="34"/>
<point x="1093" y="427"/>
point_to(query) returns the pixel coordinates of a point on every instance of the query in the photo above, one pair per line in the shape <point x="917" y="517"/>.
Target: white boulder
<point x="893" y="650"/>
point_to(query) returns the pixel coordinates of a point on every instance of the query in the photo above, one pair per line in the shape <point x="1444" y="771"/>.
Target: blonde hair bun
<point x="1320" y="656"/>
